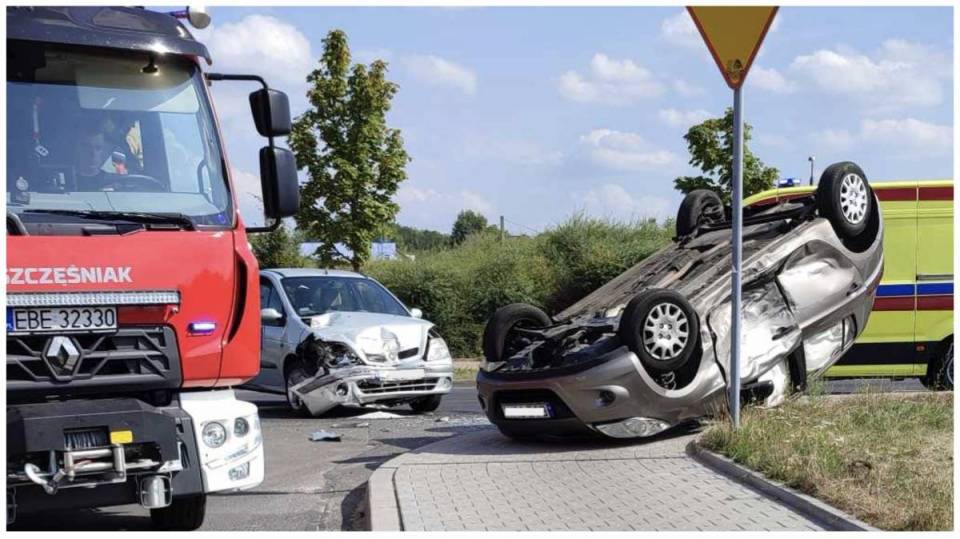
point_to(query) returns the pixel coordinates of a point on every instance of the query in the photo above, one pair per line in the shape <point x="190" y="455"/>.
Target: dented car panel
<point x="806" y="296"/>
<point x="328" y="352"/>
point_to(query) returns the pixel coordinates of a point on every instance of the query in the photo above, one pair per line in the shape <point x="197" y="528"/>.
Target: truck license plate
<point x="526" y="411"/>
<point x="53" y="319"/>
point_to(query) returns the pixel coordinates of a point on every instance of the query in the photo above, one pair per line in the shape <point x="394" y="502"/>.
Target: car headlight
<point x="391" y="346"/>
<point x="437" y="350"/>
<point x="214" y="434"/>
<point x="240" y="427"/>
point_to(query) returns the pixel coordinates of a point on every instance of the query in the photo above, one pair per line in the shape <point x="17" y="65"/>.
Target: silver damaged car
<point x="334" y="338"/>
<point x="651" y="348"/>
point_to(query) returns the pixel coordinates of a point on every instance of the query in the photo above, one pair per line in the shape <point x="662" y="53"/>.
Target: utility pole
<point x="811" y="159"/>
<point x="502" y="230"/>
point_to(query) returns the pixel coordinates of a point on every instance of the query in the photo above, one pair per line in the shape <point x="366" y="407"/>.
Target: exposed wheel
<point x="498" y="340"/>
<point x="426" y="404"/>
<point x="293" y="375"/>
<point x="661" y="327"/>
<point x="845" y="198"/>
<point x="183" y="514"/>
<point x="700" y="206"/>
<point x="940" y="372"/>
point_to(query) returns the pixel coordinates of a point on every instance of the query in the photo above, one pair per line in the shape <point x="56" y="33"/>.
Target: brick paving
<point x="483" y="481"/>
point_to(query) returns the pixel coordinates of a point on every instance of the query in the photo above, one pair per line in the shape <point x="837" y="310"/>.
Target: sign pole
<point x="736" y="254"/>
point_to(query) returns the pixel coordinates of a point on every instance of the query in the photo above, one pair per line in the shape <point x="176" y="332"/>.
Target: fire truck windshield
<point x="103" y="131"/>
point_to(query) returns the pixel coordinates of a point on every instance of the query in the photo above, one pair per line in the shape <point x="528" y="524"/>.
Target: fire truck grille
<point x="133" y="358"/>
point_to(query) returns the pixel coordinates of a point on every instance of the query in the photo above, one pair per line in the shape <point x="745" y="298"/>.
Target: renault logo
<point x="62" y="355"/>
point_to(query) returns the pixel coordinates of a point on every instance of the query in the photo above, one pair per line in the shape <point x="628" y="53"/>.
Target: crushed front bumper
<point x="367" y="384"/>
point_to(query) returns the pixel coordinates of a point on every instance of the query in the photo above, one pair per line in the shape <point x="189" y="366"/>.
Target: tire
<point x="661" y="327"/>
<point x="941" y="370"/>
<point x="496" y="335"/>
<point x="293" y="375"/>
<point x="426" y="404"/>
<point x="844" y="197"/>
<point x="698" y="207"/>
<point x="184" y="514"/>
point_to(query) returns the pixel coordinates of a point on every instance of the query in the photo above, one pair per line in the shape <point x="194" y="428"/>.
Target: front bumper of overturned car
<point x="368" y="384"/>
<point x="613" y="396"/>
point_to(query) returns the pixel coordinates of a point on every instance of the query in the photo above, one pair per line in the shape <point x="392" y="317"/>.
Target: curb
<point x="383" y="512"/>
<point x="826" y="515"/>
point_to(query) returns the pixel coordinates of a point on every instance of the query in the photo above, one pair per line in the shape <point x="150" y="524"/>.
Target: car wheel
<point x="940" y="372"/>
<point x="700" y="206"/>
<point x="661" y="327"/>
<point x="498" y="342"/>
<point x="294" y="375"/>
<point x="426" y="404"/>
<point x="844" y="197"/>
<point x="183" y="514"/>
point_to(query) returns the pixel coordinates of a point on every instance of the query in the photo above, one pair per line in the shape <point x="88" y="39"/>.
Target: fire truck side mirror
<point x="271" y="112"/>
<point x="278" y="177"/>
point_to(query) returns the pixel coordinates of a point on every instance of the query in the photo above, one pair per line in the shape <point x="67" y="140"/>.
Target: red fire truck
<point x="132" y="299"/>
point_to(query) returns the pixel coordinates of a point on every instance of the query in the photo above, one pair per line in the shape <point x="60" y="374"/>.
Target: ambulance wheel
<point x="661" y="327"/>
<point x="844" y="197"/>
<point x="499" y="340"/>
<point x="940" y="370"/>
<point x="183" y="514"/>
<point x="699" y="207"/>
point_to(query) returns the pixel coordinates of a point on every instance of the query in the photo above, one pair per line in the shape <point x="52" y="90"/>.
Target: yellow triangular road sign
<point x="733" y="35"/>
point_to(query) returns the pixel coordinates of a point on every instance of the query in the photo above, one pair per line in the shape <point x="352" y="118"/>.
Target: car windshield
<point x="102" y="132"/>
<point x="318" y="295"/>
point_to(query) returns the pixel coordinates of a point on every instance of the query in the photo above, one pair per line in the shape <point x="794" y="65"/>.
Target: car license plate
<point x="54" y="319"/>
<point x="537" y="410"/>
<point x="402" y="375"/>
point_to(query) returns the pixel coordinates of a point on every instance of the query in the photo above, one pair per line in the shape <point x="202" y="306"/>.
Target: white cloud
<point x="611" y="200"/>
<point x="520" y="151"/>
<point x="683" y="118"/>
<point x="277" y="50"/>
<point x="679" y="30"/>
<point x="900" y="74"/>
<point x="909" y="134"/>
<point x="431" y="200"/>
<point x="438" y="71"/>
<point x="836" y="139"/>
<point x="770" y="80"/>
<point x="687" y="89"/>
<point x="624" y="151"/>
<point x="610" y="81"/>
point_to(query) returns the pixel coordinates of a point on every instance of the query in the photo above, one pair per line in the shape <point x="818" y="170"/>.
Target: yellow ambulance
<point x="910" y="332"/>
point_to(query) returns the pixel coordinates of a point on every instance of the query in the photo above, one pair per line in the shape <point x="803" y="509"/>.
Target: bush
<point x="458" y="289"/>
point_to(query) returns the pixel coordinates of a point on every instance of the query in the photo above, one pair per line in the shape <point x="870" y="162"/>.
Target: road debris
<point x="324" y="436"/>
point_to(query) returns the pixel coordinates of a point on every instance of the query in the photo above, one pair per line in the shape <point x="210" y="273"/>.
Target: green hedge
<point x="459" y="288"/>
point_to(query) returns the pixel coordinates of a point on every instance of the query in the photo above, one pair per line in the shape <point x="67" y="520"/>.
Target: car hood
<point x="366" y="332"/>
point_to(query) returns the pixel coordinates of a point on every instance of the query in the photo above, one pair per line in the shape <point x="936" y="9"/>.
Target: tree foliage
<point x="410" y="239"/>
<point x="278" y="249"/>
<point x="354" y="161"/>
<point x="711" y="150"/>
<point x="468" y="222"/>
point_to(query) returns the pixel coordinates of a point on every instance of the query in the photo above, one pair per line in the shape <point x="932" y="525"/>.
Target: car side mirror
<point x="270" y="315"/>
<point x="278" y="178"/>
<point x="416" y="313"/>
<point x="271" y="112"/>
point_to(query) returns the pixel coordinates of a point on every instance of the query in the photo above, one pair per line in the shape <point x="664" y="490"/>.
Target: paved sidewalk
<point x="483" y="481"/>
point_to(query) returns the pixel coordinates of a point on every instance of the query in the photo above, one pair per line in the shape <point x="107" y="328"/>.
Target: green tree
<point x="278" y="249"/>
<point x="354" y="161"/>
<point x="410" y="239"/>
<point x="711" y="150"/>
<point x="468" y="222"/>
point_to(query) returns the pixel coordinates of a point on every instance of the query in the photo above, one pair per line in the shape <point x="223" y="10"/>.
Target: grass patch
<point x="887" y="459"/>
<point x="465" y="370"/>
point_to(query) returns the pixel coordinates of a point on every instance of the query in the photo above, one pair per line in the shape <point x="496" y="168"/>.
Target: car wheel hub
<point x="948" y="365"/>
<point x="665" y="331"/>
<point x="853" y="198"/>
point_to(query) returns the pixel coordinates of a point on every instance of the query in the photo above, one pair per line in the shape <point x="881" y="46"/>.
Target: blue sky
<point x="538" y="113"/>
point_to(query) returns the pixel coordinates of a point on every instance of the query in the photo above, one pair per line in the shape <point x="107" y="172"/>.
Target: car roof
<point x="312" y="272"/>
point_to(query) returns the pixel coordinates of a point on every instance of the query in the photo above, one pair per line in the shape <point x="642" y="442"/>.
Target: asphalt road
<point x="321" y="485"/>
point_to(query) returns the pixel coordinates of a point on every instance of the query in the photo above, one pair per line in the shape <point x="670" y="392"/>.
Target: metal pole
<point x="811" y="159"/>
<point x="736" y="240"/>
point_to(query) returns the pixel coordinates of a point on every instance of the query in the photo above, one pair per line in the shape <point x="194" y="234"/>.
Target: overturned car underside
<point x="650" y="348"/>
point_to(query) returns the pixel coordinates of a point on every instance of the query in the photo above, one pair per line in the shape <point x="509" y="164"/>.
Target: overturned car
<point x="335" y="338"/>
<point x="651" y="348"/>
